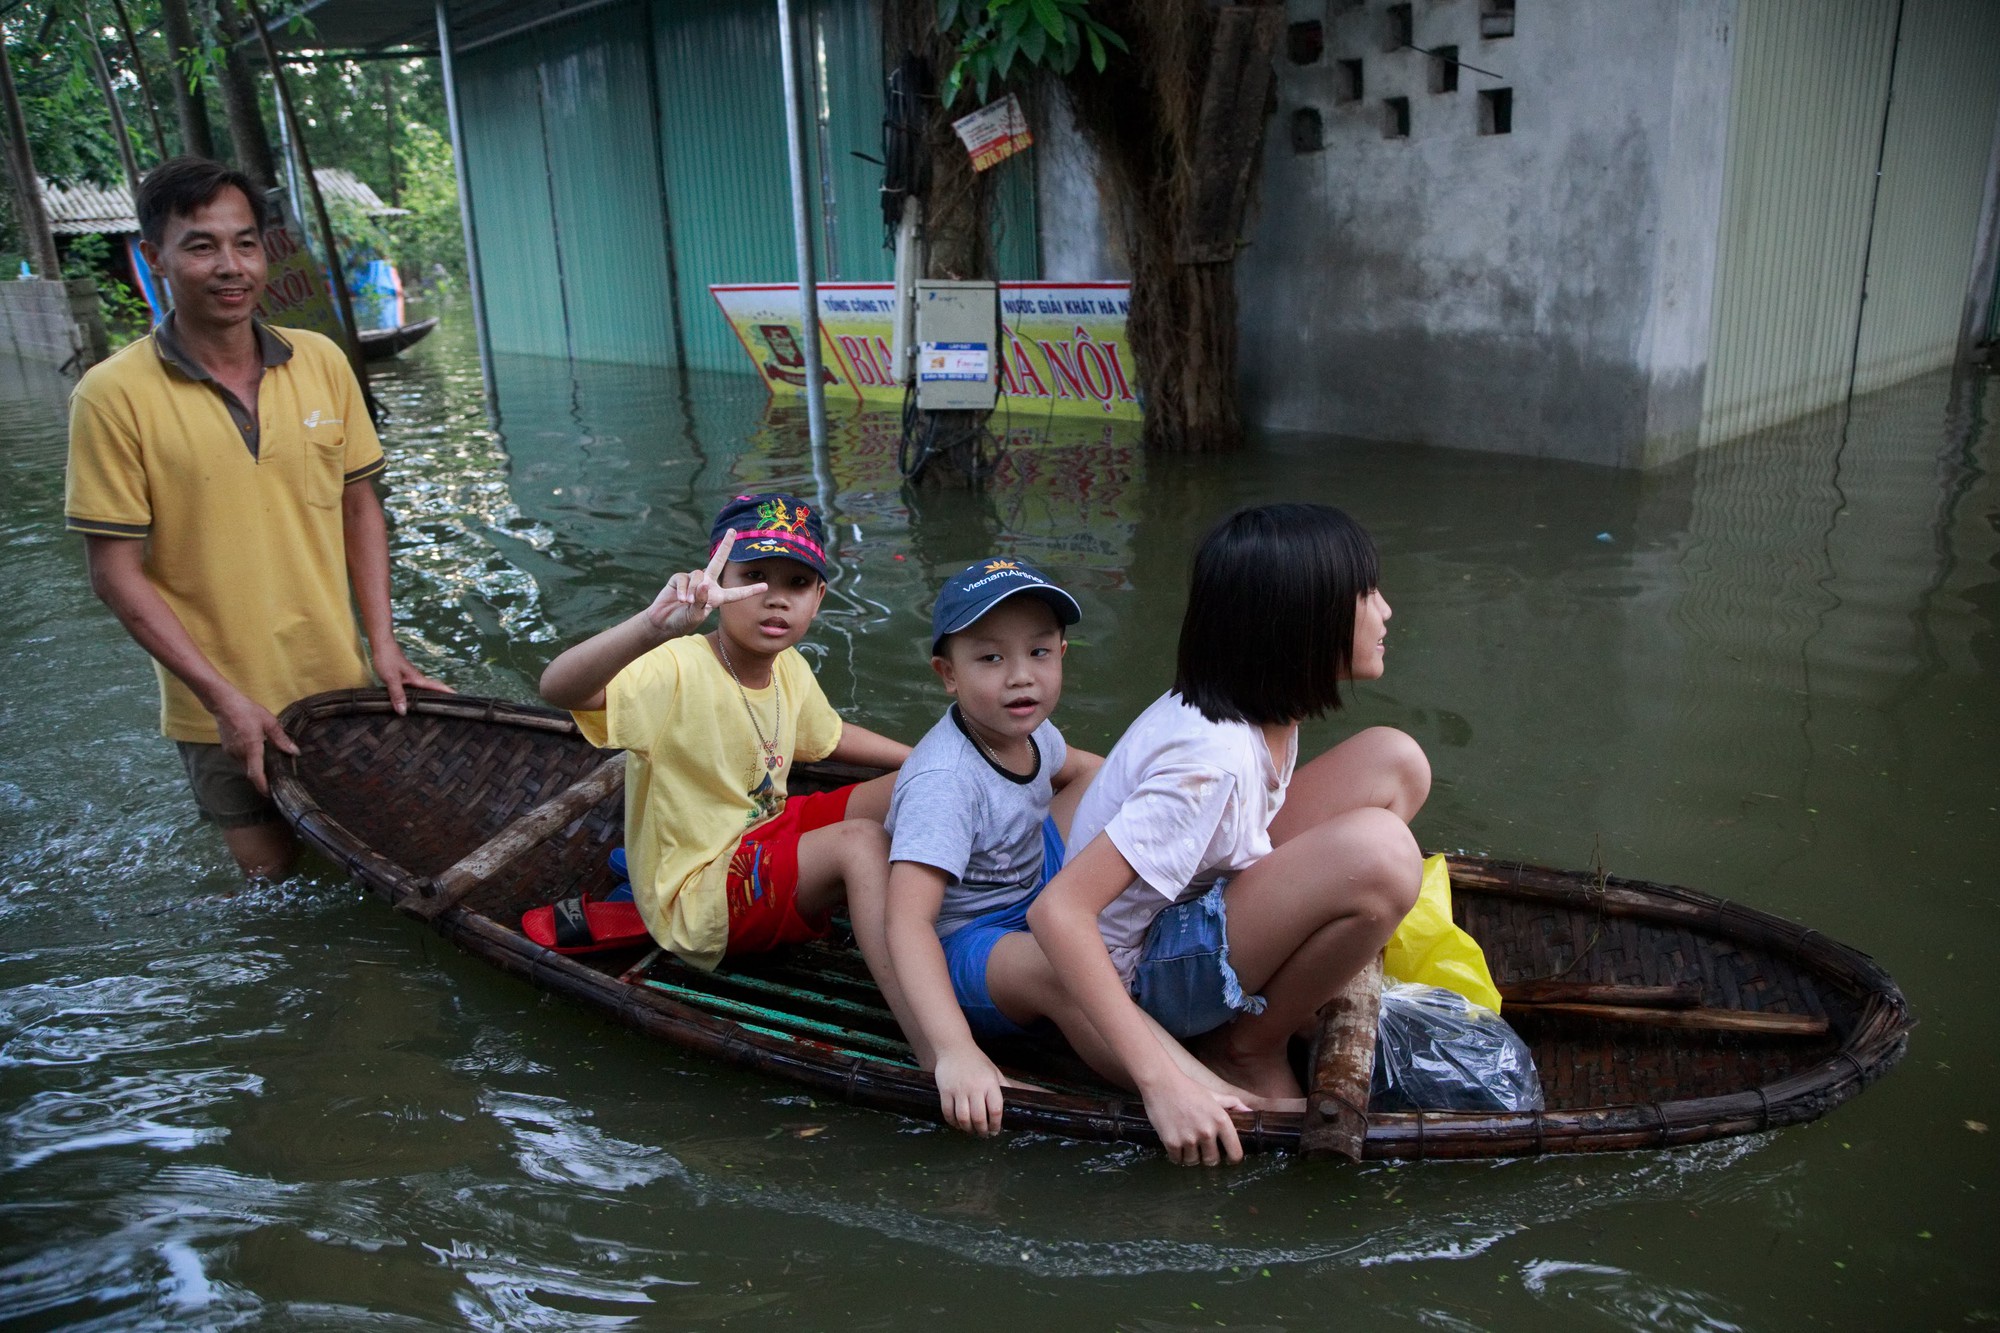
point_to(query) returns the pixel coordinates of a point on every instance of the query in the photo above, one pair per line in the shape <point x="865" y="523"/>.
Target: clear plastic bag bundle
<point x="1436" y="1051"/>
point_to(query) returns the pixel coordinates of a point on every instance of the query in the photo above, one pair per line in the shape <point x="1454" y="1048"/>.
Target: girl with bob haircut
<point x="1211" y="886"/>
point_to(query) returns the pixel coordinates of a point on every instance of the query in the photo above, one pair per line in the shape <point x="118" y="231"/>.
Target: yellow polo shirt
<point x="241" y="516"/>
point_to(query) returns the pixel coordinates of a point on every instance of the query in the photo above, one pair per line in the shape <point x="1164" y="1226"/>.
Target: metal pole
<point x="802" y="234"/>
<point x="465" y="202"/>
<point x="292" y="190"/>
<point x="288" y="116"/>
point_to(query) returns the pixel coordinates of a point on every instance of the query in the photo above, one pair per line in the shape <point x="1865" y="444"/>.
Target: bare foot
<point x="1267" y="1079"/>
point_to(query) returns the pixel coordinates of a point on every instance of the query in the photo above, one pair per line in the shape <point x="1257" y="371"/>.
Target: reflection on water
<point x="1768" y="672"/>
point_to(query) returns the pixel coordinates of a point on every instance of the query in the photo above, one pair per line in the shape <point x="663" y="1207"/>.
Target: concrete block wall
<point x="56" y="322"/>
<point x="1414" y="274"/>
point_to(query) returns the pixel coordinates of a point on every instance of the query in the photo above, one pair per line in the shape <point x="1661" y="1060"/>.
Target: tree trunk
<point x="120" y="131"/>
<point x="1164" y="132"/>
<point x="190" y="102"/>
<point x="34" y="213"/>
<point x="139" y="73"/>
<point x="247" y="135"/>
<point x="958" y="207"/>
<point x="336" y="271"/>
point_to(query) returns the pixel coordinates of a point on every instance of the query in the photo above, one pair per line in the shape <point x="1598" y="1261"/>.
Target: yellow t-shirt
<point x="246" y="547"/>
<point x="695" y="779"/>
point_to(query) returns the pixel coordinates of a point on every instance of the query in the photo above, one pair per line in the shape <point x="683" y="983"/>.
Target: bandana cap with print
<point x="983" y="585"/>
<point x="772" y="524"/>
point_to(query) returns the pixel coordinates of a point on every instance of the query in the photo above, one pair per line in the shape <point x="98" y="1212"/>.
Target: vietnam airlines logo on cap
<point x="995" y="566"/>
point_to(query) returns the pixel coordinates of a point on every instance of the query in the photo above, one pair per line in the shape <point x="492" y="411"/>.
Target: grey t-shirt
<point x="979" y="824"/>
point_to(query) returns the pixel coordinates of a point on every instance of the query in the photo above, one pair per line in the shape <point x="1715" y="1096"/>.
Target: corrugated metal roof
<point x="81" y="208"/>
<point x="340" y="183"/>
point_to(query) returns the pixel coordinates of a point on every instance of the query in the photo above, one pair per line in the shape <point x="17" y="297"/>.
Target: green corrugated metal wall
<point x="506" y="166"/>
<point x="568" y="168"/>
<point x="1805" y="227"/>
<point x="1933" y="178"/>
<point x="1805" y="127"/>
<point x="847" y="53"/>
<point x="722" y="109"/>
<point x="597" y="112"/>
<point x="571" y="237"/>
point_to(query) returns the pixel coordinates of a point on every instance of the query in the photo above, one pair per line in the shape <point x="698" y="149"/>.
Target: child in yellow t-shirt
<point x="721" y="862"/>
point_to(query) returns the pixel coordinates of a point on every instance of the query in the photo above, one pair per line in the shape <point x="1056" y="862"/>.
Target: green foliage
<point x="385" y="123"/>
<point x="126" y="315"/>
<point x="997" y="38"/>
<point x="69" y="130"/>
<point x="431" y="240"/>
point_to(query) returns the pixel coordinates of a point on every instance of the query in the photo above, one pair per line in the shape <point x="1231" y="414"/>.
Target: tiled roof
<point x="80" y="208"/>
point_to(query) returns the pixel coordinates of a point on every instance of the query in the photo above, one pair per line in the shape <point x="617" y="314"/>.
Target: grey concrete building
<point x="1607" y="230"/>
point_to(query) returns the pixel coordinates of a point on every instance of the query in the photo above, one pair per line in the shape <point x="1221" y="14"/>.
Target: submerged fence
<point x="56" y="321"/>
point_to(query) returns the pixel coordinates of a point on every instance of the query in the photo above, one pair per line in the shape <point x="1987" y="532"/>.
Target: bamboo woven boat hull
<point x="398" y="802"/>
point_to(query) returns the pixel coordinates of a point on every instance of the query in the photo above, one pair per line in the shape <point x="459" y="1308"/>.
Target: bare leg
<point x="1301" y="922"/>
<point x="1380" y="767"/>
<point x="870" y="799"/>
<point x="850" y="861"/>
<point x="265" y="851"/>
<point x="1025" y="987"/>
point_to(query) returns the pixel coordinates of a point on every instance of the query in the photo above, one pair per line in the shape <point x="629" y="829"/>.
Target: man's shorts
<point x="763" y="879"/>
<point x="968" y="949"/>
<point x="1183" y="978"/>
<point x="223" y="792"/>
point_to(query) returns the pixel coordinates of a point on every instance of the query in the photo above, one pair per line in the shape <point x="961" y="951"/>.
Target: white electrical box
<point x="958" y="357"/>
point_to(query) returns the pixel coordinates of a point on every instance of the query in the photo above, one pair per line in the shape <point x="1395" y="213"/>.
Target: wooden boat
<point x="381" y="344"/>
<point x="469" y="811"/>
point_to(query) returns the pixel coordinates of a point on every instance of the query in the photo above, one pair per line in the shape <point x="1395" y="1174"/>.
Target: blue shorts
<point x="968" y="949"/>
<point x="1183" y="978"/>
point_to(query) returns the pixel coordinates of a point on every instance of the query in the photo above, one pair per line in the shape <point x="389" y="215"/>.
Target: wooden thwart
<point x="1687" y="995"/>
<point x="1695" y="1020"/>
<point x="1342" y="1063"/>
<point x="517" y="840"/>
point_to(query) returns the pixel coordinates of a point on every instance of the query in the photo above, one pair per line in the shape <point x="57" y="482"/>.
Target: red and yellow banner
<point x="295" y="290"/>
<point x="1063" y="346"/>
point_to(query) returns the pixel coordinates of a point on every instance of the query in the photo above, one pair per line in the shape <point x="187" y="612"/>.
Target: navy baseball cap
<point x="772" y="524"/>
<point x="983" y="585"/>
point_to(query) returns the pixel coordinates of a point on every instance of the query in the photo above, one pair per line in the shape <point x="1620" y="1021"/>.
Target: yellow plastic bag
<point x="1427" y="948"/>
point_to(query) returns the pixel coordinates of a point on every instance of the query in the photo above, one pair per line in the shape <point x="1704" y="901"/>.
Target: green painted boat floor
<point x="822" y="994"/>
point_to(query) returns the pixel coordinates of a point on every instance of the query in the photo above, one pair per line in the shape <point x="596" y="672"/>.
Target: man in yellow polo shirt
<point x="219" y="471"/>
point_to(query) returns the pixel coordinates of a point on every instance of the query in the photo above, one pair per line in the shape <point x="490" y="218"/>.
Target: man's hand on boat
<point x="687" y="599"/>
<point x="245" y="727"/>
<point x="399" y="675"/>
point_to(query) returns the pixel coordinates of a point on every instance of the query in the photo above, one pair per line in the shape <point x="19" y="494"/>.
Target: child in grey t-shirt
<point x="972" y="834"/>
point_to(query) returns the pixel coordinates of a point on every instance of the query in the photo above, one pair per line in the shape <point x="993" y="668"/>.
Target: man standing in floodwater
<point x="220" y="471"/>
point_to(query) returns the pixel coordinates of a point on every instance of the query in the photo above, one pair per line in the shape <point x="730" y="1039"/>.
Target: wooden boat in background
<point x="381" y="344"/>
<point x="468" y="812"/>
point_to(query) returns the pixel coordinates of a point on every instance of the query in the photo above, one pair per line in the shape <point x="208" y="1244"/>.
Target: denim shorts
<point x="968" y="949"/>
<point x="1183" y="977"/>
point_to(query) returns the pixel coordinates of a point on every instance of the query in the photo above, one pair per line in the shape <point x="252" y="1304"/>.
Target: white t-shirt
<point x="1186" y="801"/>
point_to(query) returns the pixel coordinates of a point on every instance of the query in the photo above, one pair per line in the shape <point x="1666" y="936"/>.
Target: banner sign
<point x="994" y="133"/>
<point x="1062" y="344"/>
<point x="295" y="291"/>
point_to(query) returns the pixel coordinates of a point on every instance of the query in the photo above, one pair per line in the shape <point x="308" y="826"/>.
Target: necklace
<point x="770" y="746"/>
<point x="980" y="742"/>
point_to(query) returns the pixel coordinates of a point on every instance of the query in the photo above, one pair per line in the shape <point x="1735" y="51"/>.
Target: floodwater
<point x="1769" y="673"/>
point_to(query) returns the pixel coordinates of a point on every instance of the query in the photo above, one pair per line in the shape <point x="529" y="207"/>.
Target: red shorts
<point x="763" y="879"/>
